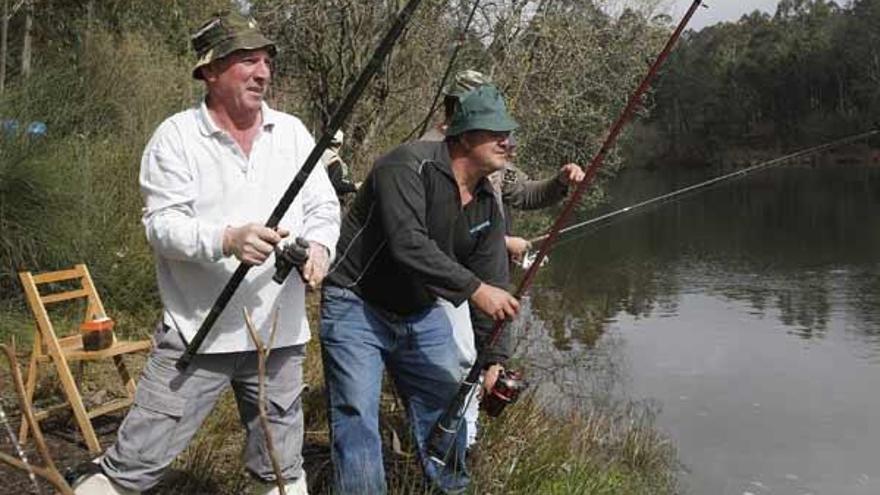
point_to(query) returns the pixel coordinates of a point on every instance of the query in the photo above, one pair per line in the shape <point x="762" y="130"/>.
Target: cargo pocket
<point x="285" y="415"/>
<point x="281" y="401"/>
<point x="151" y="424"/>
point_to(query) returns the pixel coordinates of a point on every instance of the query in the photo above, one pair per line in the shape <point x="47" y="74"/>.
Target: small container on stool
<point x="97" y="334"/>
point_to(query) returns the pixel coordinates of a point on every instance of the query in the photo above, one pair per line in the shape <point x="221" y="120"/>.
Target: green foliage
<point x="612" y="451"/>
<point x="768" y="81"/>
<point x="108" y="72"/>
<point x="567" y="97"/>
<point x="566" y="67"/>
<point x="72" y="195"/>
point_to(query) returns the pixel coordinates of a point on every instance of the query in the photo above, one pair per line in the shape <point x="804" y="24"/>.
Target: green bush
<point x="72" y="196"/>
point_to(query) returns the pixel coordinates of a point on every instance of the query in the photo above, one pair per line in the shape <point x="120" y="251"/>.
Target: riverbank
<point x="745" y="314"/>
<point x="527" y="450"/>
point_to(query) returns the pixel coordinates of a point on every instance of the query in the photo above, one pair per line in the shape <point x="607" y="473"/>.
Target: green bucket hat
<point x="481" y="109"/>
<point x="465" y="81"/>
<point x="223" y="34"/>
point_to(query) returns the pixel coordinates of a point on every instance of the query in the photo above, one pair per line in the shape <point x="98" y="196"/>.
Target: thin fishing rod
<point x="598" y="160"/>
<point x="449" y="423"/>
<point x="732" y="175"/>
<point x="342" y="113"/>
<point x="48" y="471"/>
<point x="24" y="463"/>
<point x="421" y="128"/>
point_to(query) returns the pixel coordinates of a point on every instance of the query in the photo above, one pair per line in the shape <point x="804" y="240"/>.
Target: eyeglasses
<point x="497" y="135"/>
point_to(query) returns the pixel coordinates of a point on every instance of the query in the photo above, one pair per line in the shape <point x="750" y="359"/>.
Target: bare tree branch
<point x="262" y="356"/>
<point x="48" y="472"/>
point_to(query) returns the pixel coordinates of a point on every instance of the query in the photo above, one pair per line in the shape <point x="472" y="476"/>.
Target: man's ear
<point x="208" y="74"/>
<point x="212" y="70"/>
<point x="464" y="141"/>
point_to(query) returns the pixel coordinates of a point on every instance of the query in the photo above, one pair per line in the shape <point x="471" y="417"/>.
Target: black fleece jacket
<point x="407" y="240"/>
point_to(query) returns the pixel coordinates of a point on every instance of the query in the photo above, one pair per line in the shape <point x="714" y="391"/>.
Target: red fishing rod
<point x="443" y="437"/>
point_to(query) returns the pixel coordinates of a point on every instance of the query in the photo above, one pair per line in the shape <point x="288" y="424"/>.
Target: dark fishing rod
<point x="442" y="439"/>
<point x="423" y="126"/>
<point x="713" y="181"/>
<point x="342" y="113"/>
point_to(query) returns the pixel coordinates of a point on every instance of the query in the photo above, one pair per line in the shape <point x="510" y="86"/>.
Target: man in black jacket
<point x="513" y="188"/>
<point x="424" y="225"/>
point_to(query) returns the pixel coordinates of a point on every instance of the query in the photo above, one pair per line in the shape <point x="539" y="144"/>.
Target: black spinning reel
<point x="294" y="254"/>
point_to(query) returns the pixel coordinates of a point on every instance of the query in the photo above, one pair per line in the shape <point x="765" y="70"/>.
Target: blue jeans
<point x="357" y="340"/>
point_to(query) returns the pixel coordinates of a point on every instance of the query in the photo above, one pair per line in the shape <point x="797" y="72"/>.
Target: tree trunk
<point x="90" y="17"/>
<point x="26" y="43"/>
<point x="4" y="30"/>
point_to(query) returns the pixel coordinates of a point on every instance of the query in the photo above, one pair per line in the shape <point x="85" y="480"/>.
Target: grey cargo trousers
<point x="170" y="405"/>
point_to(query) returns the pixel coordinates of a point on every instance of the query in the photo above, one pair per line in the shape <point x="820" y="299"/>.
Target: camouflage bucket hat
<point x="464" y="82"/>
<point x="481" y="109"/>
<point x="223" y="34"/>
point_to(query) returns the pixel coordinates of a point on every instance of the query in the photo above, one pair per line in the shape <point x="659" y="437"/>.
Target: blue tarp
<point x="10" y="128"/>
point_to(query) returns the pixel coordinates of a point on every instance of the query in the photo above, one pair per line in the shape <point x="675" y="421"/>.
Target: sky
<point x="720" y="10"/>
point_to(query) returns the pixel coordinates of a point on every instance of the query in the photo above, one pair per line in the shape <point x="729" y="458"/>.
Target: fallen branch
<point x="262" y="357"/>
<point x="48" y="472"/>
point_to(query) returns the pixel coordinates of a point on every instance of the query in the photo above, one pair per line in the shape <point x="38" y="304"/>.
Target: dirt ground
<point x="210" y="465"/>
<point x="68" y="451"/>
<point x="64" y="443"/>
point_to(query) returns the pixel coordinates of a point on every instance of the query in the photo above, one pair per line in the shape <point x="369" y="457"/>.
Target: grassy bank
<point x="527" y="450"/>
<point x="104" y="78"/>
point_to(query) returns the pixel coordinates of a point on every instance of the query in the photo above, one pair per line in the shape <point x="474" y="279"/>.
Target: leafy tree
<point x="801" y="75"/>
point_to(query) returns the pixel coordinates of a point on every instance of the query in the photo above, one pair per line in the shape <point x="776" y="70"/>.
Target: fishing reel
<point x="293" y="254"/>
<point x="441" y="441"/>
<point x="507" y="389"/>
<point x="529" y="259"/>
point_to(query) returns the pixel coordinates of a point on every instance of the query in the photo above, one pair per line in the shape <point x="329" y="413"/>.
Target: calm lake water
<point x="746" y="317"/>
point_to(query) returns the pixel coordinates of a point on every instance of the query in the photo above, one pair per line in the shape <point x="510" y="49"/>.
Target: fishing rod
<point x="716" y="180"/>
<point x="442" y="438"/>
<point x="354" y="94"/>
<point x="423" y="126"/>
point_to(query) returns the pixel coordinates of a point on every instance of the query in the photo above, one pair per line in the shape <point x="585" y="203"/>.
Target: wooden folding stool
<point x="61" y="350"/>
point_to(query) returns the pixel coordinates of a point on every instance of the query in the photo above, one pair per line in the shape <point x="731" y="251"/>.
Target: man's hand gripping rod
<point x="442" y="438"/>
<point x="296" y="185"/>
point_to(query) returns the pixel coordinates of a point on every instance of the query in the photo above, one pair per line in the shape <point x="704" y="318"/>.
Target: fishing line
<point x="423" y="126"/>
<point x="450" y="421"/>
<point x="608" y="217"/>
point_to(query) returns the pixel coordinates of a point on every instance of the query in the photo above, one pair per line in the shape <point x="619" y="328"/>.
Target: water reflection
<point x="746" y="317"/>
<point x="795" y="239"/>
<point x="573" y="375"/>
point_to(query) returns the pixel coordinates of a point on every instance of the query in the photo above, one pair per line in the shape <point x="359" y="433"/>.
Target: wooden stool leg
<point x="76" y="403"/>
<point x="31" y="384"/>
<point x="127" y="381"/>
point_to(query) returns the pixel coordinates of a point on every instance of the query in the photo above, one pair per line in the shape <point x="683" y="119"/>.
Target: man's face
<point x="240" y="80"/>
<point x="511" y="152"/>
<point x="488" y="149"/>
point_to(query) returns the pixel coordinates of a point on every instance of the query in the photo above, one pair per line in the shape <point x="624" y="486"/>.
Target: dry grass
<point x="529" y="451"/>
<point x="525" y="451"/>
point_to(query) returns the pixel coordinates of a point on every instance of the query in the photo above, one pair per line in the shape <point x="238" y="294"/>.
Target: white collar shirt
<point x="196" y="181"/>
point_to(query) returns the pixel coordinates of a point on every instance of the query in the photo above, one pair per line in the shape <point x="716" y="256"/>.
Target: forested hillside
<point x="808" y="73"/>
